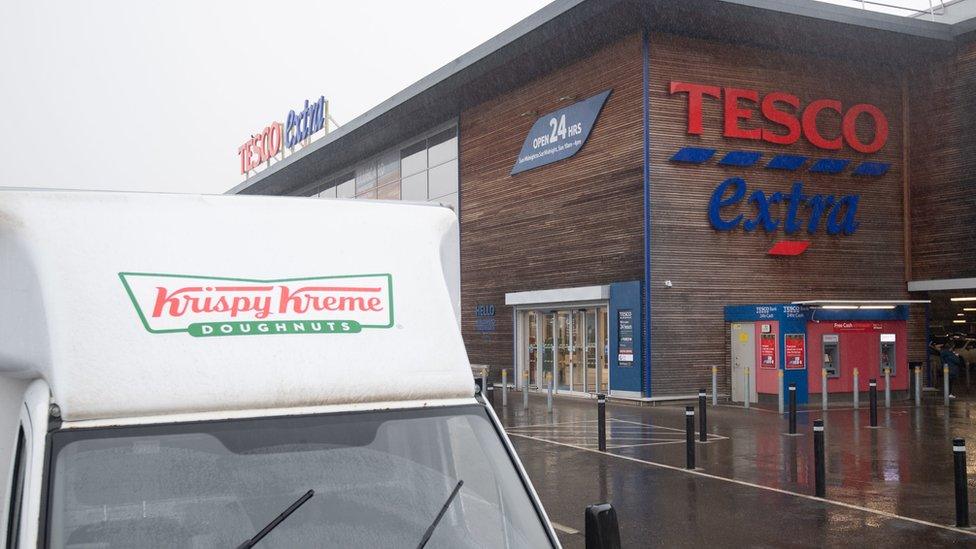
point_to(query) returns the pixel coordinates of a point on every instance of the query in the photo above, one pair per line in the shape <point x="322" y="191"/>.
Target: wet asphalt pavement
<point x="891" y="486"/>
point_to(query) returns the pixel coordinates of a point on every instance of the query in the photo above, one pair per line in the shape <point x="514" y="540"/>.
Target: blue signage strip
<point x="559" y="134"/>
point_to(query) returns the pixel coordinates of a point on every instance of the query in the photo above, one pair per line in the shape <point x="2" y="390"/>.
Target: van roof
<point x="136" y="304"/>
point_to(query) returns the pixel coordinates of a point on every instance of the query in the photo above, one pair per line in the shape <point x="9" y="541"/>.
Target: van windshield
<point x="380" y="480"/>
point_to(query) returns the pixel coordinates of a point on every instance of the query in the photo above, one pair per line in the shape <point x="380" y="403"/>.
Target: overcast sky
<point x="141" y="95"/>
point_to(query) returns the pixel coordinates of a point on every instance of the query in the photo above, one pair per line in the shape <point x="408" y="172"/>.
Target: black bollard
<point x="818" y="458"/>
<point x="702" y="423"/>
<point x="873" y="398"/>
<point x="792" y="408"/>
<point x="962" y="491"/>
<point x="601" y="415"/>
<point x="690" y="435"/>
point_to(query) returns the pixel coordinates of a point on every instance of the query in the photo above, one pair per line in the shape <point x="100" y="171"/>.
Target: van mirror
<point x="602" y="530"/>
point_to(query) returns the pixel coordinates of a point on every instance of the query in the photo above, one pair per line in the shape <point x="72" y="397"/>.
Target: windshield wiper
<point x="437" y="520"/>
<point x="278" y="520"/>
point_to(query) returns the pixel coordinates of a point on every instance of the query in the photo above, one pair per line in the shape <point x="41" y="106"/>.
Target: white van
<point x="225" y="371"/>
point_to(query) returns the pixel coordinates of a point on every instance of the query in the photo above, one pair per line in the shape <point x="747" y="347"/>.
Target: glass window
<point x="448" y="200"/>
<point x="347" y="186"/>
<point x="442" y="147"/>
<point x="389" y="192"/>
<point x="379" y="480"/>
<point x="443" y="180"/>
<point x="387" y="168"/>
<point x="331" y="192"/>
<point x="414" y="187"/>
<point x="368" y="194"/>
<point x="365" y="176"/>
<point x="413" y="159"/>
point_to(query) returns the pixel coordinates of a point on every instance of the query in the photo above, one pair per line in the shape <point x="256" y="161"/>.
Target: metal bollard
<point x="792" y="391"/>
<point x="779" y="389"/>
<point x="714" y="385"/>
<point x="887" y="374"/>
<point x="873" y="401"/>
<point x="823" y="388"/>
<point x="601" y="416"/>
<point x="690" y="435"/>
<point x="918" y="386"/>
<point x="525" y="390"/>
<point x="504" y="387"/>
<point x="818" y="458"/>
<point x="962" y="490"/>
<point x="945" y="383"/>
<point x="702" y="421"/>
<point x="857" y="391"/>
<point x="549" y="392"/>
<point x="748" y="389"/>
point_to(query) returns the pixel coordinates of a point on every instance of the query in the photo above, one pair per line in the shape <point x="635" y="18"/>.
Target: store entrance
<point x="568" y="344"/>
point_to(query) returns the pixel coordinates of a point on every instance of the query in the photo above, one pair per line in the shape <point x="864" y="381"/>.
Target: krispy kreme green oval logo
<point x="207" y="306"/>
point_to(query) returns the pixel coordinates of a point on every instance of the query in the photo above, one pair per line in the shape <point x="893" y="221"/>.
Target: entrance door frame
<point x="550" y="314"/>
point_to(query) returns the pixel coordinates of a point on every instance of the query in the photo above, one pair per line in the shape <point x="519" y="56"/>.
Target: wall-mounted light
<point x="877" y="307"/>
<point x="839" y="307"/>
<point x="962" y="298"/>
<point x="958" y="321"/>
<point x="668" y="284"/>
<point x="970" y="309"/>
<point x="960" y="314"/>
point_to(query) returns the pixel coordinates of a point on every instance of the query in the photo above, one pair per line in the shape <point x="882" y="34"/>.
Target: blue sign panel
<point x="559" y="134"/>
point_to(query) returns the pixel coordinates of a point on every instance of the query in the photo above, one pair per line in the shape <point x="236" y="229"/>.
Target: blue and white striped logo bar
<point x="783" y="162"/>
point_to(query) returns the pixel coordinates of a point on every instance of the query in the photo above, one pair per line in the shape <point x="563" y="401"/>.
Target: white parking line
<point x="759" y="486"/>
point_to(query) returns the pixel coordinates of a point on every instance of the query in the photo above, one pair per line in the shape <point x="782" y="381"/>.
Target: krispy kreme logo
<point x="215" y="306"/>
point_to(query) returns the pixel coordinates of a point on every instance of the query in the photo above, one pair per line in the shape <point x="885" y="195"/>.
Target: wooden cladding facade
<point x="710" y="269"/>
<point x="572" y="223"/>
<point x="579" y="222"/>
<point x="942" y="145"/>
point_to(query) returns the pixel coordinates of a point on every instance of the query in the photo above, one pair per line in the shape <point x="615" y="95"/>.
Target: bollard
<point x="857" y="391"/>
<point x="818" y="458"/>
<point x="779" y="389"/>
<point x="601" y="416"/>
<point x="792" y="391"/>
<point x="748" y="389"/>
<point x="918" y="386"/>
<point x="525" y="390"/>
<point x="962" y="490"/>
<point x="690" y="435"/>
<point x="887" y="374"/>
<point x="873" y="401"/>
<point x="823" y="388"/>
<point x="714" y="385"/>
<point x="945" y="383"/>
<point x="504" y="387"/>
<point x="549" y="392"/>
<point x="702" y="422"/>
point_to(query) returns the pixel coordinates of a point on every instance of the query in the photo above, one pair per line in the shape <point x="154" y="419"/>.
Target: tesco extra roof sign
<point x="276" y="137"/>
<point x="206" y="306"/>
<point x="787" y="121"/>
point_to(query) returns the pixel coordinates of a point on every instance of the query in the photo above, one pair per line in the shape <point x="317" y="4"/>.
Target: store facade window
<point x="422" y="169"/>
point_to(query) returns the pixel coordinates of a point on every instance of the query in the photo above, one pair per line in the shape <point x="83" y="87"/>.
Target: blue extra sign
<point x="559" y="134"/>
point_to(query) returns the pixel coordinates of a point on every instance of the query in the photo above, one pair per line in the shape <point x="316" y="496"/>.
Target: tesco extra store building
<point x="650" y="189"/>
